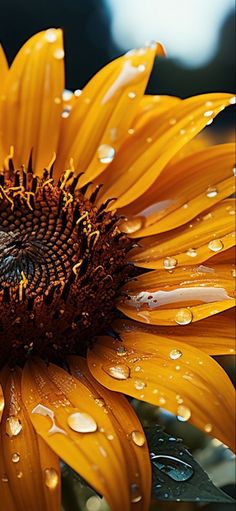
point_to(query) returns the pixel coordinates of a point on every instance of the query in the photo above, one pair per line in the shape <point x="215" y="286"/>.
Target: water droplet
<point x="131" y="131"/>
<point x="81" y="422"/>
<point x="15" y="457"/>
<point x="121" y="351"/>
<point x="234" y="171"/>
<point x="47" y="412"/>
<point x="135" y="493"/>
<point x="51" y="35"/>
<point x="67" y="95"/>
<point x="183" y="413"/>
<point x="65" y="113"/>
<point x="172" y="121"/>
<point x="119" y="372"/>
<point x="175" y="354"/>
<point x="191" y="252"/>
<point x="138" y="438"/>
<point x="137" y="369"/>
<point x="106" y="153"/>
<point x="215" y="245"/>
<point x="5" y="478"/>
<point x="184" y="317"/>
<point x="208" y="427"/>
<point x="182" y="131"/>
<point x="132" y="95"/>
<point x="139" y="385"/>
<point x="51" y="478"/>
<point x="141" y="68"/>
<point x="208" y="113"/>
<point x="100" y="402"/>
<point x="169" y="263"/>
<point x="176" y="469"/>
<point x="59" y="53"/>
<point x="210" y="122"/>
<point x="133" y="225"/>
<point x="234" y="272"/>
<point x="13" y="426"/>
<point x="211" y="192"/>
<point x="77" y="93"/>
<point x="162" y="401"/>
<point x="232" y="100"/>
<point x="93" y="504"/>
<point x="19" y="475"/>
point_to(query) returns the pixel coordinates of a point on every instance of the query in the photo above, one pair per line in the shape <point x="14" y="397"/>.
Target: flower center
<point x="62" y="263"/>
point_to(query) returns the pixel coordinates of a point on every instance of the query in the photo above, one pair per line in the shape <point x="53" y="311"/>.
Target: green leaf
<point x="176" y="474"/>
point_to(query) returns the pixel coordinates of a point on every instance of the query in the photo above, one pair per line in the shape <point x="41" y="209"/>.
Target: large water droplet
<point x="138" y="438"/>
<point x="215" y="245"/>
<point x="183" y="413"/>
<point x="175" y="354"/>
<point x="15" y="457"/>
<point x="81" y="422"/>
<point x="119" y="372"/>
<point x="135" y="493"/>
<point x="169" y="263"/>
<point x="132" y="225"/>
<point x="51" y="478"/>
<point x="106" y="153"/>
<point x="211" y="192"/>
<point x="59" y="54"/>
<point x="184" y="317"/>
<point x="176" y="469"/>
<point x="13" y="426"/>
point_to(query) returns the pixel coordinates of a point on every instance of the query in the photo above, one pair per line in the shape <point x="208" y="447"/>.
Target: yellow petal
<point x="182" y="191"/>
<point x="211" y="232"/>
<point x="179" y="296"/>
<point x="170" y="374"/>
<point x="129" y="431"/>
<point x="139" y="162"/>
<point x="30" y="110"/>
<point x="65" y="414"/>
<point x="214" y="335"/>
<point x="99" y="121"/>
<point x="30" y="471"/>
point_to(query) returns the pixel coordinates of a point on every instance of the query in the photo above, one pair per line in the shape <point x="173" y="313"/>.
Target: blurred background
<point x="199" y="36"/>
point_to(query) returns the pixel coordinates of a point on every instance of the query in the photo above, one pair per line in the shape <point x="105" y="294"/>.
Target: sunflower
<point x="115" y="273"/>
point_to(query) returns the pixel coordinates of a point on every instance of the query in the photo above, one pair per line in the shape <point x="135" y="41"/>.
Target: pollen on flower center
<point x="62" y="263"/>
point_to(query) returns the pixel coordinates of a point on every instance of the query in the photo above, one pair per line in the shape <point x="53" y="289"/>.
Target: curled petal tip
<point x="160" y="50"/>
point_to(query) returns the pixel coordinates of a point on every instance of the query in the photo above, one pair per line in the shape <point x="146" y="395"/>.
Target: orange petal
<point x="30" y="104"/>
<point x="214" y="335"/>
<point x="129" y="431"/>
<point x="143" y="157"/>
<point x="97" y="123"/>
<point x="183" y="190"/>
<point x="179" y="296"/>
<point x="211" y="232"/>
<point x="65" y="414"/>
<point x="170" y="374"/>
<point x="149" y="105"/>
<point x="30" y="471"/>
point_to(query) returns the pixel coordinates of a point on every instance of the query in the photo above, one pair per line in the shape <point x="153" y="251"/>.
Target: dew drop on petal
<point x="5" y="478"/>
<point x="59" y="54"/>
<point x="169" y="263"/>
<point x="191" y="252"/>
<point x="77" y="93"/>
<point x="139" y="385"/>
<point x="119" y="372"/>
<point x="132" y="95"/>
<point x="51" y="478"/>
<point x="211" y="192"/>
<point x="81" y="422"/>
<point x="67" y="95"/>
<point x="51" y="35"/>
<point x="184" y="317"/>
<point x="234" y="272"/>
<point x="141" y="68"/>
<point x="100" y="402"/>
<point x="121" y="351"/>
<point x="183" y="413"/>
<point x="208" y="113"/>
<point x="13" y="426"/>
<point x="162" y="401"/>
<point x="232" y="101"/>
<point x="106" y="153"/>
<point x="135" y="493"/>
<point x="138" y="438"/>
<point x="215" y="245"/>
<point x="208" y="427"/>
<point x="234" y="171"/>
<point x="15" y="457"/>
<point x="175" y="354"/>
<point x="19" y="475"/>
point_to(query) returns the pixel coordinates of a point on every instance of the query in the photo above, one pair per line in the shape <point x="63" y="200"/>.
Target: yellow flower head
<point x="116" y="240"/>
